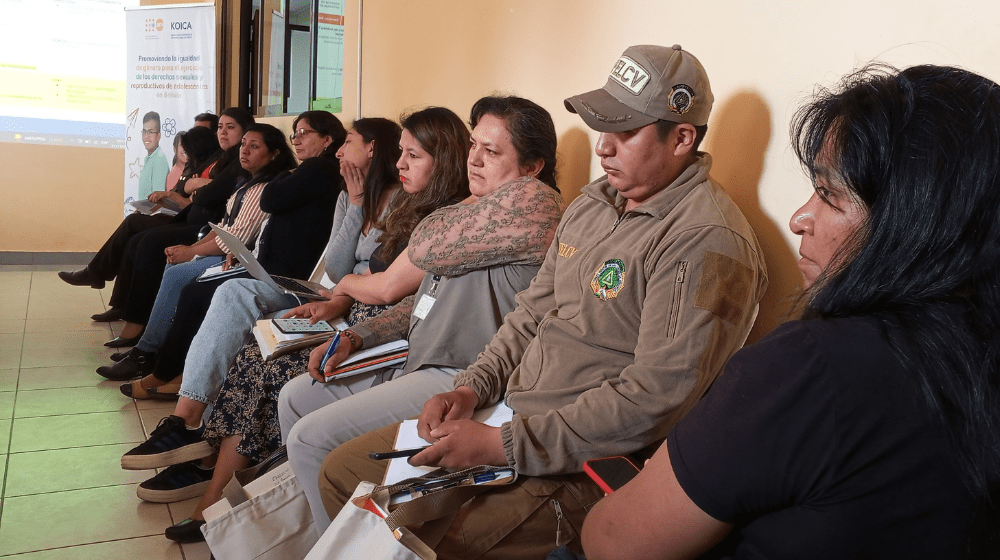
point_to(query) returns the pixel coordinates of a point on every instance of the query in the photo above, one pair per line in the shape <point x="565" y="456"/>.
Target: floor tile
<point x="11" y="341"/>
<point x="179" y="511"/>
<point x="66" y="356"/>
<point x="10" y="326"/>
<point x="44" y="521"/>
<point x="146" y="548"/>
<point x="77" y="430"/>
<point x="74" y="323"/>
<point x="151" y="404"/>
<point x="57" y="470"/>
<point x="71" y="400"/>
<point x="3" y="466"/>
<point x="10" y="350"/>
<point x="7" y="401"/>
<point x="58" y="377"/>
<point x="8" y="380"/>
<point x="196" y="551"/>
<point x="5" y="435"/>
<point x="72" y="339"/>
<point x="11" y="310"/>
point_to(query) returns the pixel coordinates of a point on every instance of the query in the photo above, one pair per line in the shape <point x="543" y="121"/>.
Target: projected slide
<point x="62" y="72"/>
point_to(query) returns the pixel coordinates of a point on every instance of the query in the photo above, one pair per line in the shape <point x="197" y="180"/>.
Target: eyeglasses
<point x="300" y="132"/>
<point x="150" y="131"/>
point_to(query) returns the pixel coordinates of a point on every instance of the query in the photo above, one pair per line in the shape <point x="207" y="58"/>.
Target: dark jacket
<point x="301" y="204"/>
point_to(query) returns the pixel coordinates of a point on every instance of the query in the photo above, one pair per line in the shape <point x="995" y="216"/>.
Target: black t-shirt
<point x="815" y="444"/>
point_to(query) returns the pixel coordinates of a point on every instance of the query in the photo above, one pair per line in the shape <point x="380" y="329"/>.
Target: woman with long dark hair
<point x="139" y="260"/>
<point x="199" y="147"/>
<point x="202" y="150"/>
<point x="250" y="375"/>
<point x="871" y="426"/>
<point x="318" y="143"/>
<point x="264" y="154"/>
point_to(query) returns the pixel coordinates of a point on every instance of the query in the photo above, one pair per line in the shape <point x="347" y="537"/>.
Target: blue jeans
<point x="175" y="277"/>
<point x="236" y="307"/>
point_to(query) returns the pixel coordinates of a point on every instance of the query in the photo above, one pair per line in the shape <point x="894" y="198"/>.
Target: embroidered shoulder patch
<point x="609" y="279"/>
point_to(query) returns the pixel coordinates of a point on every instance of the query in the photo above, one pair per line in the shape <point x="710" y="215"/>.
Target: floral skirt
<point x="248" y="402"/>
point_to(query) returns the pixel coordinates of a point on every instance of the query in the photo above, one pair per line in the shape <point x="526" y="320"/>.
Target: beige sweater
<point x="628" y="322"/>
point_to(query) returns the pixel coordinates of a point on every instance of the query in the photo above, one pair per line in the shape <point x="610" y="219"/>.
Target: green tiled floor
<point x="63" y="430"/>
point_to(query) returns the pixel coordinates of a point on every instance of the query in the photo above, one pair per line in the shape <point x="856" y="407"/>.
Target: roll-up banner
<point x="170" y="78"/>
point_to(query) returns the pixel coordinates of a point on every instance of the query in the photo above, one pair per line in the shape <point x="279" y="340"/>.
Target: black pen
<point x="397" y="453"/>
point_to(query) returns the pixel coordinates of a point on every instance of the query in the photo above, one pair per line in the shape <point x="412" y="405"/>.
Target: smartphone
<point x="610" y="473"/>
<point x="300" y="326"/>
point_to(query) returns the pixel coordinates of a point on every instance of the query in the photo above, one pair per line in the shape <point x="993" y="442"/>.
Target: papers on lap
<point x="407" y="438"/>
<point x="216" y="272"/>
<point x="381" y="356"/>
<point x="166" y="207"/>
<point x="274" y="343"/>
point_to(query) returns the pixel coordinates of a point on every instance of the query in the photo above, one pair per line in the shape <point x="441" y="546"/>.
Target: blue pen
<point x="329" y="352"/>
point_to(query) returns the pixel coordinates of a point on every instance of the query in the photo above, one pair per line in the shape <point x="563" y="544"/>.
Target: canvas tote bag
<point x="361" y="531"/>
<point x="269" y="518"/>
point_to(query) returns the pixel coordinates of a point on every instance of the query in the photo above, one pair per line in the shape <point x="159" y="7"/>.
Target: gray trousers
<point x="315" y="419"/>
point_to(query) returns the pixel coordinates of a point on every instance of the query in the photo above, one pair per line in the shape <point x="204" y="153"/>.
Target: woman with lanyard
<point x="437" y="180"/>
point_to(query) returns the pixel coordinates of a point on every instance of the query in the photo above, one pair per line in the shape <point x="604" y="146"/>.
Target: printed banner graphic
<point x="170" y="72"/>
<point x="329" y="56"/>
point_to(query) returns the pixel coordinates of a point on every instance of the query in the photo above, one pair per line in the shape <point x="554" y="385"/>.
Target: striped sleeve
<point x="248" y="221"/>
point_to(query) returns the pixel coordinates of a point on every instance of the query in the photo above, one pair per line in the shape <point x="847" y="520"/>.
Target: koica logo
<point x="180" y="26"/>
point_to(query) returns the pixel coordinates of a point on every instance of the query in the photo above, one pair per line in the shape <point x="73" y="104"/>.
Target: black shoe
<point x="119" y="356"/>
<point x="108" y="316"/>
<point x="82" y="278"/>
<point x="176" y="483"/>
<point x="170" y="443"/>
<point x="119" y="342"/>
<point x="187" y="531"/>
<point x="135" y="364"/>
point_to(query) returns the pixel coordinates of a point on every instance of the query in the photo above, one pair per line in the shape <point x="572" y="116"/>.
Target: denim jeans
<point x="175" y="277"/>
<point x="236" y="307"/>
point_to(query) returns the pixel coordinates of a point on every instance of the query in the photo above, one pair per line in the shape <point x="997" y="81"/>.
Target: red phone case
<point x="610" y="473"/>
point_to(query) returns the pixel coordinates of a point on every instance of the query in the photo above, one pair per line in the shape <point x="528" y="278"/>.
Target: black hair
<point x="326" y="124"/>
<point x="664" y="128"/>
<point x="200" y="144"/>
<point x="244" y="119"/>
<point x="919" y="149"/>
<point x="531" y="130"/>
<point x="151" y="116"/>
<point x="274" y="139"/>
<point x="213" y="120"/>
<point x="382" y="174"/>
<point x="442" y="134"/>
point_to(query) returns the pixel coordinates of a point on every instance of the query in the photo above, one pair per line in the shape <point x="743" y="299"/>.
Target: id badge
<point x="424" y="306"/>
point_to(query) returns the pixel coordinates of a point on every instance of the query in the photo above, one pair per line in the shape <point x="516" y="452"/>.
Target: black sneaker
<point x="170" y="443"/>
<point x="176" y="483"/>
<point x="187" y="531"/>
<point x="135" y="363"/>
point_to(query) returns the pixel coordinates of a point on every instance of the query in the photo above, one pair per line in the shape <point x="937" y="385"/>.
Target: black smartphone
<point x="610" y="473"/>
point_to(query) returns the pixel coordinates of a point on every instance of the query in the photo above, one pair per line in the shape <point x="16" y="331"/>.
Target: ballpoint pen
<point x="329" y="352"/>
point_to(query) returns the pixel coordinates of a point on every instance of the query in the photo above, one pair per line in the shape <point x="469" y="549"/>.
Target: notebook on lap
<point x="292" y="286"/>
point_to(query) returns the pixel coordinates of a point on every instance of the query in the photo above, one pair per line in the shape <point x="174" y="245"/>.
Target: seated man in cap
<point x="650" y="285"/>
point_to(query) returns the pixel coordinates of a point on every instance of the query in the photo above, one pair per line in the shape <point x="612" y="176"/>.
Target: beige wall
<point x="764" y="58"/>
